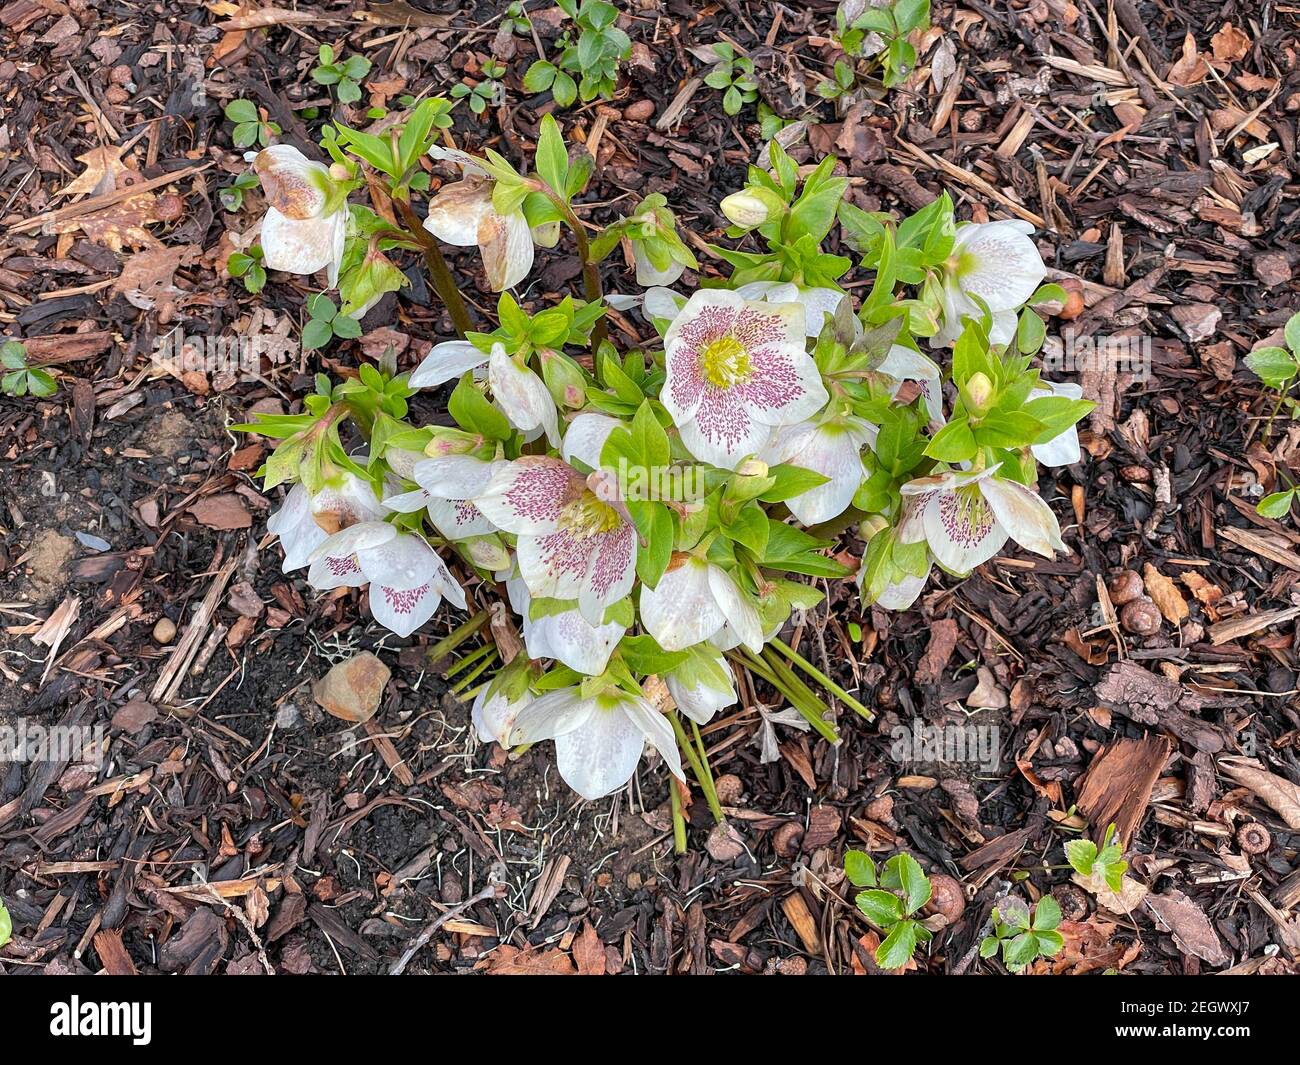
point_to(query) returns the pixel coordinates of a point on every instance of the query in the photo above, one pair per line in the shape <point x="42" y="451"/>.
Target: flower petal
<point x="551" y="715"/>
<point x="405" y="502"/>
<point x="601" y="756"/>
<point x="297" y="529"/>
<point x="404" y="561"/>
<point x="662" y="303"/>
<point x="904" y="364"/>
<point x="402" y="610"/>
<point x="611" y="570"/>
<point x="506" y="242"/>
<point x="585" y="438"/>
<point x="740" y="614"/>
<point x="999" y="263"/>
<point x="833" y="449"/>
<point x="293" y="185"/>
<point x="454" y="476"/>
<point x="700" y="700"/>
<point x="526" y="496"/>
<point x="301" y="246"/>
<point x="522" y="396"/>
<point x="446" y="362"/>
<point x="570" y="639"/>
<point x="961" y="529"/>
<point x="494" y="715"/>
<point x="457" y="210"/>
<point x="680" y="611"/>
<point x="555" y="564"/>
<point x="1025" y="516"/>
<point x="723" y="431"/>
<point x="654" y="726"/>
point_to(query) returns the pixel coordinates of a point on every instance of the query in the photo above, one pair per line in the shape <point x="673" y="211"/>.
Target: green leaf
<point x="40" y="383"/>
<point x="860" y="869"/>
<point x="1020" y="951"/>
<point x="898" y="947"/>
<point x="316" y="334"/>
<point x="474" y="413"/>
<point x="1292" y="332"/>
<point x="349" y="92"/>
<point x="654" y="521"/>
<point x="882" y="908"/>
<point x="791" y="481"/>
<point x="1081" y="854"/>
<point x="552" y="158"/>
<point x="953" y="443"/>
<point x="539" y="76"/>
<point x="6" y="925"/>
<point x="239" y="111"/>
<point x="565" y="90"/>
<point x="1047" y="914"/>
<point x="1277" y="505"/>
<point x="1274" y="366"/>
<point x="913" y="881"/>
<point x="1009" y="429"/>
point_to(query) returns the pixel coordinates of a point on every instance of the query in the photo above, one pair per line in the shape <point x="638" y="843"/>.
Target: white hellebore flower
<point x="816" y="302"/>
<point x="571" y="544"/>
<point x="1062" y="449"/>
<point x="306" y="220"/>
<point x="997" y="262"/>
<point x="296" y="527"/>
<point x="966" y="517"/>
<point x="523" y="397"/>
<point x="407" y="580"/>
<point x="565" y="636"/>
<point x="904" y="364"/>
<point x="462" y="214"/>
<point x="493" y="714"/>
<point x="447" y="362"/>
<point x="696" y="601"/>
<point x="702" y="685"/>
<point x="448" y="485"/>
<point x="735" y="371"/>
<point x="832" y="448"/>
<point x="598" y="740"/>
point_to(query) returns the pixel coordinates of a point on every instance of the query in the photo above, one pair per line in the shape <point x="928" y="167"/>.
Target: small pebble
<point x="641" y="111"/>
<point x="164" y="631"/>
<point x="95" y="543"/>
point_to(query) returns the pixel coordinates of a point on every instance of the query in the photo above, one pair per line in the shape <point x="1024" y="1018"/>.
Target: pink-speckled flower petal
<point x="610" y="572"/>
<point x="724" y="431"/>
<point x="402" y="610"/>
<point x="554" y="564"/>
<point x="526" y="496"/>
<point x="961" y="529"/>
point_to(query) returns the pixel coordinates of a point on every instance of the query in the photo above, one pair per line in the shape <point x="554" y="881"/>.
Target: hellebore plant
<point x="651" y="512"/>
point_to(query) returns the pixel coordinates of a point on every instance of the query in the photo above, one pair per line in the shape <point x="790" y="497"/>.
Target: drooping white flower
<point x="696" y="601"/>
<point x="523" y="397"/>
<point x="448" y="485"/>
<point x="571" y="543"/>
<point x="1062" y="449"/>
<point x="493" y="714"/>
<point x="966" y="517"/>
<point x="832" y="448"/>
<point x="662" y="305"/>
<point x="446" y="361"/>
<point x="817" y="302"/>
<point x="736" y="370"/>
<point x="565" y="635"/>
<point x="702" y="685"/>
<point x="305" y="226"/>
<point x="901" y="594"/>
<point x="348" y="500"/>
<point x="462" y="214"/>
<point x="997" y="262"/>
<point x="904" y="364"/>
<point x="296" y="527"/>
<point x="407" y="579"/>
<point x="598" y="740"/>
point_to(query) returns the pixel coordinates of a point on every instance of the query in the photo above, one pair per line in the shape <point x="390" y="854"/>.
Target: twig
<point x="496" y="885"/>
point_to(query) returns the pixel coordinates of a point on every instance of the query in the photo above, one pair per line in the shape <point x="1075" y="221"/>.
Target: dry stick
<point x="443" y="282"/>
<point x="496" y="883"/>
